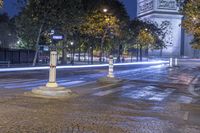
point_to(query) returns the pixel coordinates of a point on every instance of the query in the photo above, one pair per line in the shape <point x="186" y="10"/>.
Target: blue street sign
<point x="57" y="37"/>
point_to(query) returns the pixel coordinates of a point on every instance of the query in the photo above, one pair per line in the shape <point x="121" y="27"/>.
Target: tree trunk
<point x="140" y="52"/>
<point x="64" y="56"/>
<point x="79" y="53"/>
<point x="119" y="54"/>
<point x="137" y="52"/>
<point x="84" y="56"/>
<point x="161" y="51"/>
<point x="147" y="54"/>
<point x="37" y="45"/>
<point x="88" y="55"/>
<point x="101" y="49"/>
<point x="64" y="50"/>
<point x="92" y="55"/>
<point x="131" y="55"/>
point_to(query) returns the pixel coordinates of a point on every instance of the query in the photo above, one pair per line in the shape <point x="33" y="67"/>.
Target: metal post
<point x="171" y="62"/>
<point x="111" y="66"/>
<point x="52" y="71"/>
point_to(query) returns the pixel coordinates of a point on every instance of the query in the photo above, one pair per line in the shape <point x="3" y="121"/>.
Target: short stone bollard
<point x="52" y="71"/>
<point x="171" y="62"/>
<point x="52" y="90"/>
<point x="110" y="78"/>
<point x="176" y="62"/>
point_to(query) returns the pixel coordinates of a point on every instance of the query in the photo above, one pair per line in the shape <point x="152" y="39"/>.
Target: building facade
<point x="167" y="11"/>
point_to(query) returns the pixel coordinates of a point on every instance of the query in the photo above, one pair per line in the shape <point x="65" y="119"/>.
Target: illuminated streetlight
<point x="72" y="43"/>
<point x="194" y="18"/>
<point x="105" y="10"/>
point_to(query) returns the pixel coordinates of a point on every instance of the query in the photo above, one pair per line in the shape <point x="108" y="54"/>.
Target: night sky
<point x="11" y="8"/>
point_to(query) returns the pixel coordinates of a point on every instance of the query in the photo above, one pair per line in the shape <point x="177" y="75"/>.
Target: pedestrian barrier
<point x="16" y="56"/>
<point x="5" y="63"/>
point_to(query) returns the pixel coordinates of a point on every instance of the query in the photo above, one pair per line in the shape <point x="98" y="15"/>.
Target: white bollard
<point x="111" y="66"/>
<point x="171" y="62"/>
<point x="52" y="72"/>
<point x="176" y="62"/>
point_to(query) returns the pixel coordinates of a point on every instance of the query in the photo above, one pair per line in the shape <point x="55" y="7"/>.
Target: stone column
<point x="52" y="72"/>
<point x="111" y="66"/>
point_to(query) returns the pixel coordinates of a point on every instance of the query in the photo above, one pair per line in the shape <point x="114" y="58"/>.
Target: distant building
<point x="8" y="36"/>
<point x="177" y="41"/>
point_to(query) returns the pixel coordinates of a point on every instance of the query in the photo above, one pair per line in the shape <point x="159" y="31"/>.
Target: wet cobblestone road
<point x="132" y="107"/>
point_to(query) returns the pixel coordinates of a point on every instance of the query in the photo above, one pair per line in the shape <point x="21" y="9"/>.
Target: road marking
<point x="29" y="84"/>
<point x="184" y="99"/>
<point x="107" y="92"/>
<point x="151" y="93"/>
<point x="162" y="95"/>
<point x="191" y="90"/>
<point x="186" y="116"/>
<point x="128" y="86"/>
<point x="97" y="88"/>
<point x="71" y="83"/>
<point x="9" y="81"/>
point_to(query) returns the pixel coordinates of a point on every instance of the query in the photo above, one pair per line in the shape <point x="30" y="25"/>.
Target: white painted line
<point x="107" y="92"/>
<point x="84" y="83"/>
<point x="30" y="84"/>
<point x="71" y="83"/>
<point x="161" y="96"/>
<point x="186" y="116"/>
<point x="97" y="88"/>
<point x="184" y="99"/>
<point x="9" y="81"/>
<point x="192" y="90"/>
<point x="128" y="86"/>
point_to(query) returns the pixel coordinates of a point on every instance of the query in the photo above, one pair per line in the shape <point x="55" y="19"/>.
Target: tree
<point x="1" y="3"/>
<point x="40" y="16"/>
<point x="190" y="9"/>
<point x="147" y="35"/>
<point x="105" y="24"/>
<point x="101" y="26"/>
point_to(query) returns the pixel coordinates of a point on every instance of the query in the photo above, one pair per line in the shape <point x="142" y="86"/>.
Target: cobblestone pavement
<point x="146" y="104"/>
<point x="131" y="108"/>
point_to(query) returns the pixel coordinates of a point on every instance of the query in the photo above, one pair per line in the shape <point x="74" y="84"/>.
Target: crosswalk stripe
<point x="107" y="92"/>
<point x="18" y="84"/>
<point x="40" y="83"/>
<point x="184" y="99"/>
<point x="162" y="95"/>
<point x="16" y="81"/>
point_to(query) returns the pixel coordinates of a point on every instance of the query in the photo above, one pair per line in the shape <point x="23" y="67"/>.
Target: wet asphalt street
<point x="152" y="99"/>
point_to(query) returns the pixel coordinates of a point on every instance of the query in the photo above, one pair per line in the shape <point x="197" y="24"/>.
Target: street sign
<point x="57" y="37"/>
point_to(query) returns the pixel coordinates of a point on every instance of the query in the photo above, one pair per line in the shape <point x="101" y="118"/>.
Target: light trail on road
<point x="80" y="66"/>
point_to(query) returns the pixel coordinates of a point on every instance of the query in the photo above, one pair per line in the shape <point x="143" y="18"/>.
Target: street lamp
<point x="105" y="10"/>
<point x="72" y="43"/>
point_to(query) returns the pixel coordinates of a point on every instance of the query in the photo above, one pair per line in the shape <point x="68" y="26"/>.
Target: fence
<point x="16" y="56"/>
